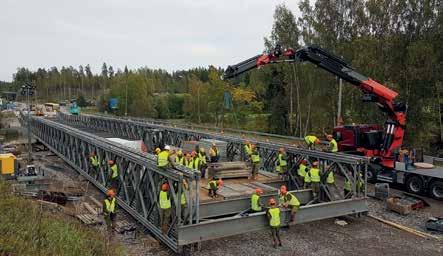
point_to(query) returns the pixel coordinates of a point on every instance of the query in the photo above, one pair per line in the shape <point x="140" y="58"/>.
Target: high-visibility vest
<point x="310" y="139"/>
<point x="330" y="179"/>
<point x="315" y="174"/>
<point x="114" y="170"/>
<point x="162" y="159"/>
<point x="94" y="161"/>
<point x="255" y="206"/>
<point x="213" y="151"/>
<point x="183" y="198"/>
<point x="189" y="163"/>
<point x="301" y="170"/>
<point x="308" y="177"/>
<point x="202" y="158"/>
<point x="165" y="201"/>
<point x="275" y="217"/>
<point x="255" y="157"/>
<point x="110" y="205"/>
<point x="282" y="160"/>
<point x="333" y="145"/>
<point x="179" y="160"/>
<point x="347" y="185"/>
<point x="248" y="149"/>
<point x="196" y="163"/>
<point x="212" y="184"/>
<point x="293" y="201"/>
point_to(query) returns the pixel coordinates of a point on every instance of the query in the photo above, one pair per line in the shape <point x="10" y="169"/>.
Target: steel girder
<point x="346" y="165"/>
<point x="139" y="178"/>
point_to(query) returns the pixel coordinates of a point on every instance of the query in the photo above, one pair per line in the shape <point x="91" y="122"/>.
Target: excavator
<point x="364" y="139"/>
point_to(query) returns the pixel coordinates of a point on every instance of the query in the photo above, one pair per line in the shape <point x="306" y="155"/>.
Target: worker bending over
<point x="255" y="162"/>
<point x="301" y="172"/>
<point x="163" y="160"/>
<point x="214" y="155"/>
<point x="165" y="207"/>
<point x="256" y="205"/>
<point x="113" y="174"/>
<point x="179" y="158"/>
<point x="213" y="186"/>
<point x="273" y="214"/>
<point x="109" y="207"/>
<point x="203" y="162"/>
<point x="248" y="150"/>
<point x="311" y="141"/>
<point x="289" y="201"/>
<point x="314" y="174"/>
<point x="282" y="163"/>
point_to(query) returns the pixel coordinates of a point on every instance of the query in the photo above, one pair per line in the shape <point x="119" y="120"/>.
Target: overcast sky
<point x="167" y="34"/>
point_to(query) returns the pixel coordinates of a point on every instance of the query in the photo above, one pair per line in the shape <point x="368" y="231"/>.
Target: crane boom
<point x="373" y="91"/>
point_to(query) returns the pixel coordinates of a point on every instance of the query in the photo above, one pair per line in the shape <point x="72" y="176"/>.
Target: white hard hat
<point x="167" y="147"/>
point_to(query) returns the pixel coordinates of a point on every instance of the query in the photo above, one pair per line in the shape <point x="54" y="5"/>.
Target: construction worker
<point x="282" y="163"/>
<point x="311" y="141"/>
<point x="255" y="162"/>
<point x="248" y="150"/>
<point x="188" y="161"/>
<point x="183" y="201"/>
<point x="179" y="158"/>
<point x="109" y="207"/>
<point x="214" y="155"/>
<point x="165" y="207"/>
<point x="93" y="160"/>
<point x="163" y="160"/>
<point x="273" y="214"/>
<point x="314" y="174"/>
<point x="347" y="188"/>
<point x="330" y="179"/>
<point x="333" y="147"/>
<point x="290" y="201"/>
<point x="113" y="174"/>
<point x="202" y="161"/>
<point x="301" y="172"/>
<point x="195" y="161"/>
<point x="256" y="205"/>
<point x="307" y="179"/>
<point x="213" y="186"/>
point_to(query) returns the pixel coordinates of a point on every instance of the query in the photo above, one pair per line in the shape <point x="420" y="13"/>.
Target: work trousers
<point x="213" y="193"/>
<point x="109" y="220"/>
<point x="315" y="187"/>
<point x="275" y="233"/>
<point x="306" y="185"/>
<point x="165" y="215"/>
<point x="255" y="167"/>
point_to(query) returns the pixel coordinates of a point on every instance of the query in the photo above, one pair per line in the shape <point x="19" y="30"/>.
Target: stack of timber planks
<point x="227" y="170"/>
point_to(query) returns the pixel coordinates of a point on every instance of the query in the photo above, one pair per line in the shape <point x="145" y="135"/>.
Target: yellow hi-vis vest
<point x="183" y="198"/>
<point x="308" y="177"/>
<point x="315" y="174"/>
<point x="189" y="163"/>
<point x="114" y="170"/>
<point x="301" y="170"/>
<point x="275" y="217"/>
<point x="162" y="159"/>
<point x="94" y="161"/>
<point x="165" y="201"/>
<point x="179" y="160"/>
<point x="196" y="163"/>
<point x="282" y="160"/>
<point x="255" y="157"/>
<point x="333" y="145"/>
<point x="110" y="205"/>
<point x="213" y="152"/>
<point x="212" y="184"/>
<point x="293" y="201"/>
<point x="248" y="149"/>
<point x="202" y="158"/>
<point x="347" y="185"/>
<point x="310" y="139"/>
<point x="330" y="179"/>
<point x="255" y="206"/>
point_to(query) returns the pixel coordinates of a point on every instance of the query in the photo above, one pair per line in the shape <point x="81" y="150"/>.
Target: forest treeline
<point x="396" y="42"/>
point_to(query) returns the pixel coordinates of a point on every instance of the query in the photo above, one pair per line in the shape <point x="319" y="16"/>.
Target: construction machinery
<point x="364" y="139"/>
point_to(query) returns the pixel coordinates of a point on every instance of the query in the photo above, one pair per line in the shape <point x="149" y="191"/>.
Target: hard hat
<point x="304" y="161"/>
<point x="158" y="150"/>
<point x="317" y="141"/>
<point x="110" y="193"/>
<point x="281" y="149"/>
<point x="258" y="191"/>
<point x="167" y="147"/>
<point x="283" y="189"/>
<point x="111" y="162"/>
<point x="329" y="136"/>
<point x="165" y="187"/>
<point x="315" y="163"/>
<point x="180" y="153"/>
<point x="202" y="149"/>
<point x="272" y="201"/>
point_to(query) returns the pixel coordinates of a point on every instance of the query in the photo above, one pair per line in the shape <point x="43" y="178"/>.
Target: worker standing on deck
<point x="213" y="153"/>
<point x="203" y="162"/>
<point x="195" y="161"/>
<point x="311" y="141"/>
<point x="109" y="207"/>
<point x="188" y="161"/>
<point x="213" y="186"/>
<point x="183" y="200"/>
<point x="179" y="158"/>
<point x="282" y="163"/>
<point x="248" y="150"/>
<point x="273" y="214"/>
<point x="314" y="174"/>
<point x="333" y="147"/>
<point x="113" y="174"/>
<point x="256" y="205"/>
<point x="255" y="162"/>
<point x="301" y="172"/>
<point x="93" y="160"/>
<point x="330" y="178"/>
<point x="165" y="207"/>
<point x="163" y="160"/>
<point x="290" y="201"/>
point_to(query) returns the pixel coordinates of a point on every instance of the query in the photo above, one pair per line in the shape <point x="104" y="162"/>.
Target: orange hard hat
<point x="283" y="189"/>
<point x="315" y="163"/>
<point x="165" y="187"/>
<point x="317" y="141"/>
<point x="258" y="191"/>
<point x="110" y="193"/>
<point x="272" y="201"/>
<point x="111" y="162"/>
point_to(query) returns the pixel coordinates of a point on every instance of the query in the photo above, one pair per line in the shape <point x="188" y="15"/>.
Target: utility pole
<point x="28" y="90"/>
<point x="126" y="99"/>
<point x="340" y="92"/>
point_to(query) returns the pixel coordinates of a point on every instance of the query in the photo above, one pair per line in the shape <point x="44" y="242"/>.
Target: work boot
<point x="279" y="244"/>
<point x="274" y="244"/>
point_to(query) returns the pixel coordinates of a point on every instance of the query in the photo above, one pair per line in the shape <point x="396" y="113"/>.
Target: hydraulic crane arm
<point x="373" y="91"/>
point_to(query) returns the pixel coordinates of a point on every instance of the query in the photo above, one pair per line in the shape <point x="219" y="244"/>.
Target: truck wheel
<point x="436" y="190"/>
<point x="414" y="185"/>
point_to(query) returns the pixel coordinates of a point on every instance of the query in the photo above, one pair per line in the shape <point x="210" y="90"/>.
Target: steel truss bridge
<point x="140" y="178"/>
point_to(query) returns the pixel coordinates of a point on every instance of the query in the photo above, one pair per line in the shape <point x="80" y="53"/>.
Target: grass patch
<point x="27" y="230"/>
